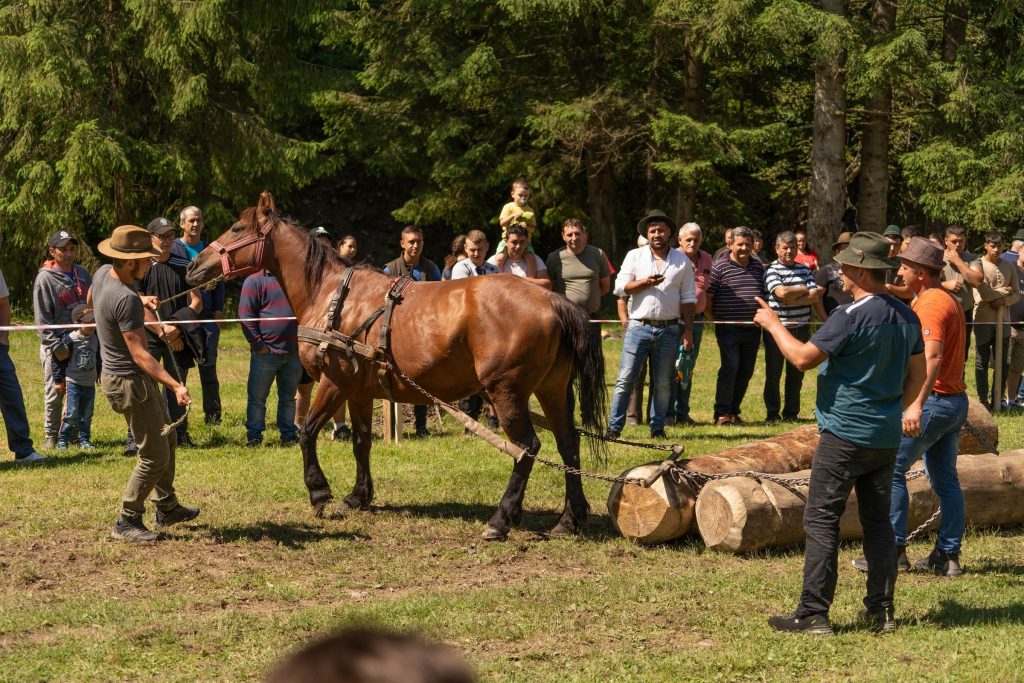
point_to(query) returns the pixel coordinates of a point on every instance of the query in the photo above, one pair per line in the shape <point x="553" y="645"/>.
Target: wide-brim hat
<point x="892" y="231"/>
<point x="842" y="240"/>
<point x="1019" y="235"/>
<point x="128" y="242"/>
<point x="923" y="252"/>
<point x="867" y="250"/>
<point x="654" y="216"/>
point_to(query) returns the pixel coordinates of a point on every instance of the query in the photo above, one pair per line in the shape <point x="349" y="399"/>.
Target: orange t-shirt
<point x="942" y="319"/>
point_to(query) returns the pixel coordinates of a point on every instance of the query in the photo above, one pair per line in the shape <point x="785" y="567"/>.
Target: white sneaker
<point x="32" y="458"/>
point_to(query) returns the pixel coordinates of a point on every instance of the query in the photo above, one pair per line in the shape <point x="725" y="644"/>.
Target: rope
<point x="177" y="374"/>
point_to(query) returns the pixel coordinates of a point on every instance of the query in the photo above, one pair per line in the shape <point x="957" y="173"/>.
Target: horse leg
<point x="361" y="414"/>
<point x="574" y="514"/>
<point x="327" y="400"/>
<point x="515" y="420"/>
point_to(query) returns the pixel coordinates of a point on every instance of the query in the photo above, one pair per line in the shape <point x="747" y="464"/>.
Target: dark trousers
<point x="163" y="354"/>
<point x="969" y="318"/>
<point x="12" y="406"/>
<point x="737" y="348"/>
<point x="838" y="467"/>
<point x="985" y="338"/>
<point x="208" y="375"/>
<point x="419" y="414"/>
<point x="774" y="362"/>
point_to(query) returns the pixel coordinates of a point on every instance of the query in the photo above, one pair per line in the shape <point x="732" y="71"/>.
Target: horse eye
<point x="236" y="228"/>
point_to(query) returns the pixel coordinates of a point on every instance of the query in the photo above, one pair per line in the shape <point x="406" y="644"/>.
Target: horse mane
<point x="318" y="255"/>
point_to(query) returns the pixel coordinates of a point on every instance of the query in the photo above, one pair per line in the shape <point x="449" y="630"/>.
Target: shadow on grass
<point x="294" y="536"/>
<point x="951" y="614"/>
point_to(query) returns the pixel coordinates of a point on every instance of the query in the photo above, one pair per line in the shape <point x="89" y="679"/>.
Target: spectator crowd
<point x="672" y="296"/>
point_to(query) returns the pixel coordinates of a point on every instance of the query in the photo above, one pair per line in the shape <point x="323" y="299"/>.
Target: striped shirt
<point x="262" y="297"/>
<point x="781" y="275"/>
<point x="734" y="287"/>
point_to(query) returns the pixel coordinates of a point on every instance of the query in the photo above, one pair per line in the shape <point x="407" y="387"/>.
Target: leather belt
<point x="659" y="323"/>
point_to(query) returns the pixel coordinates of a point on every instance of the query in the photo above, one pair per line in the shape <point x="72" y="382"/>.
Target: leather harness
<point x="349" y="344"/>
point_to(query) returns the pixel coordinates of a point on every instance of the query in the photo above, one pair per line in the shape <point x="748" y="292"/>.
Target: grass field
<point x="257" y="576"/>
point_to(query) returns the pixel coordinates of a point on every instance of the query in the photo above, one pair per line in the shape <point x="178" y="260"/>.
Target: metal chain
<point x="637" y="444"/>
<point x="927" y="523"/>
<point x="977" y="434"/>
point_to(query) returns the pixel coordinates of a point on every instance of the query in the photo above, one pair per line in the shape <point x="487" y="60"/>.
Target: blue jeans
<point x="679" y="401"/>
<point x="941" y="419"/>
<point x="78" y="415"/>
<point x="12" y="406"/>
<point x="659" y="344"/>
<point x="264" y="368"/>
<point x="737" y="347"/>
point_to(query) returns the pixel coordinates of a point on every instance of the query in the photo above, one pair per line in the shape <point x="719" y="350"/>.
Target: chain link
<point x="977" y="434"/>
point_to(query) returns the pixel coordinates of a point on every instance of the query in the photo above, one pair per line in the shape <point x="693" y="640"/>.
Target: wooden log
<point x="982" y="421"/>
<point x="647" y="519"/>
<point x="741" y="514"/>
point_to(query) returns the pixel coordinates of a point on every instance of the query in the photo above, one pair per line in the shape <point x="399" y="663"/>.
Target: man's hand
<point x="61" y="353"/>
<point x="953" y="285"/>
<point x="653" y="280"/>
<point x="170" y="333"/>
<point x="765" y="316"/>
<point x="181" y="395"/>
<point x="912" y="420"/>
<point x="687" y="339"/>
<point x="952" y="256"/>
<point x="149" y="301"/>
<point x="61" y="388"/>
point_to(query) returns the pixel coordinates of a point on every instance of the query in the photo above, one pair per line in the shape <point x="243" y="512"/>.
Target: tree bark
<point x="693" y="105"/>
<point x="954" y="28"/>
<point x="874" y="149"/>
<point x="601" y="202"/>
<point x="827" y="197"/>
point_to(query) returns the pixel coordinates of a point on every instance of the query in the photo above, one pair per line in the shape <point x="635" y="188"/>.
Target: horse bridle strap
<point x="259" y="237"/>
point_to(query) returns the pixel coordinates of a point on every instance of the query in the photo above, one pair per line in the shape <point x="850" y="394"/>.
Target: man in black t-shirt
<point x="164" y="280"/>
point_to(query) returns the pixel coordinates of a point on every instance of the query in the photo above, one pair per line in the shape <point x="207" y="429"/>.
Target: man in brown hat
<point x="873" y="368"/>
<point x="129" y="381"/>
<point x="932" y="422"/>
<point x="660" y="285"/>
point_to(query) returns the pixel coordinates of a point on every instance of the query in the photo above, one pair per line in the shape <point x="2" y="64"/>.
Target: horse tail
<point x="582" y="347"/>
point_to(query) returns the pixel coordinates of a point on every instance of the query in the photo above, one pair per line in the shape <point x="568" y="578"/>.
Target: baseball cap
<point x="82" y="314"/>
<point x="159" y="226"/>
<point x="320" y="230"/>
<point x="61" y="237"/>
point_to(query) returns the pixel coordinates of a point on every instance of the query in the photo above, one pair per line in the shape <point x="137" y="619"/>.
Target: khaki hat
<point x="128" y="242"/>
<point x="655" y="216"/>
<point x="923" y="252"/>
<point x="866" y="250"/>
<point x="842" y="240"/>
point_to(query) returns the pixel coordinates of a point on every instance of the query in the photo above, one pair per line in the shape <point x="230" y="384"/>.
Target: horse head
<point x="241" y="249"/>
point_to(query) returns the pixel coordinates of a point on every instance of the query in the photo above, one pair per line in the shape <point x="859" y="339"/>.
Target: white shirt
<point x="661" y="301"/>
<point x="518" y="268"/>
<point x="465" y="268"/>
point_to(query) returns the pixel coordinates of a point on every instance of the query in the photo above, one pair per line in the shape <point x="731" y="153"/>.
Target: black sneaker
<point x="133" y="530"/>
<point x="492" y="423"/>
<point x="816" y="624"/>
<point x="130" y="448"/>
<point x="902" y="562"/>
<point x="422" y="432"/>
<point x="289" y="440"/>
<point x="185" y="441"/>
<point x="178" y="514"/>
<point x="658" y="434"/>
<point x="342" y="432"/>
<point x="255" y="442"/>
<point x="941" y="563"/>
<point x="879" y="620"/>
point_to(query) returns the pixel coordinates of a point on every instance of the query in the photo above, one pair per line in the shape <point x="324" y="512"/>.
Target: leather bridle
<point x="258" y="237"/>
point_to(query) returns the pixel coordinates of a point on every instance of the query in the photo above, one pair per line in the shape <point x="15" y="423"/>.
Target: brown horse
<point x="497" y="333"/>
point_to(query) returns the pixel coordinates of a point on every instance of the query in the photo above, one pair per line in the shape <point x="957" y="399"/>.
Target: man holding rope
<point x="873" y="368"/>
<point x="129" y="380"/>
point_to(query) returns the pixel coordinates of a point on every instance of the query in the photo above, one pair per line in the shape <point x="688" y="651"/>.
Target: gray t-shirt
<point x="118" y="309"/>
<point x="578" y="278"/>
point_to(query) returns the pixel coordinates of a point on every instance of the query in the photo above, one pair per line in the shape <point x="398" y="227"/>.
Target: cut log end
<point x="651" y="515"/>
<point x="715" y="514"/>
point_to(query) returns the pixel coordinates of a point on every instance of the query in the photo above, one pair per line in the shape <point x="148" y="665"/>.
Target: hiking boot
<point x="132" y="529"/>
<point x="879" y="620"/>
<point x="185" y="441"/>
<point x="902" y="563"/>
<point x="178" y="514"/>
<point x="32" y="458"/>
<point x="342" y="432"/>
<point x="941" y="563"/>
<point x="724" y="421"/>
<point x="816" y="624"/>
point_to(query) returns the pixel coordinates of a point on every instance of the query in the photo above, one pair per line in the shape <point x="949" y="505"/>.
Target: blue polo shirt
<point x="860" y="387"/>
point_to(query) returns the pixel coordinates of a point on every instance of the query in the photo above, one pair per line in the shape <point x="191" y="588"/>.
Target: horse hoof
<point x="492" y="534"/>
<point x="562" y="531"/>
<point x="353" y="503"/>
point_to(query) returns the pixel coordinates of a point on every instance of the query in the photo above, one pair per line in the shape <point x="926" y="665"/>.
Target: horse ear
<point x="266" y="203"/>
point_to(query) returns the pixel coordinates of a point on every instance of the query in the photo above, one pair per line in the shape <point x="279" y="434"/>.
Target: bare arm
<point x="971" y="276"/>
<point x="804" y="355"/>
<point x="136" y="342"/>
<point x="686" y="311"/>
<point x="5" y="318"/>
<point x="605" y="284"/>
<point x="793" y="294"/>
<point x="914" y="381"/>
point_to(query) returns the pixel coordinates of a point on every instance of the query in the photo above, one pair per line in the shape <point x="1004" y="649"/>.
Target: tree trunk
<point x="743" y="514"/>
<point x="601" y="202"/>
<point x="874" y="149"/>
<point x="827" y="198"/>
<point x="693" y="87"/>
<point x="954" y="28"/>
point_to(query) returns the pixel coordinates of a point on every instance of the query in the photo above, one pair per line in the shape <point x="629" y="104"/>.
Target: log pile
<point x="741" y="514"/>
<point x="666" y="510"/>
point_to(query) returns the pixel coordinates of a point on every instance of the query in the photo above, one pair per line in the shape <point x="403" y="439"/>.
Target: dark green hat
<point x="867" y="250"/>
<point x="654" y="216"/>
<point x="1019" y="235"/>
<point x="893" y="230"/>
